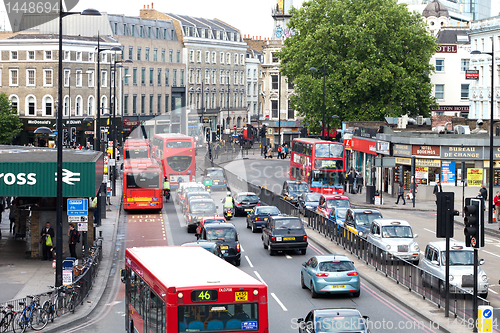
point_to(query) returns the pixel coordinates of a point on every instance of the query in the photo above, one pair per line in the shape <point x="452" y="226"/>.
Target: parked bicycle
<point x="50" y="305"/>
<point x="31" y="316"/>
<point x="8" y="315"/>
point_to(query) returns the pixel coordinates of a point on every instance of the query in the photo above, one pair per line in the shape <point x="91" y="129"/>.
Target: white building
<point x="253" y="61"/>
<point x="485" y="37"/>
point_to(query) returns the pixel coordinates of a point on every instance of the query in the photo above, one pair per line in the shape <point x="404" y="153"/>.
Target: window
<point x="90" y="75"/>
<point x="66" y="55"/>
<point x="103" y="57"/>
<point x="235" y="59"/>
<point x="155" y="55"/>
<point x="191" y="55"/>
<point x="47" y="105"/>
<point x="47" y="77"/>
<point x="125" y="104"/>
<point x="146" y="56"/>
<point x="66" y="77"/>
<point x="138" y="54"/>
<point x="134" y="76"/>
<point x="198" y="56"/>
<point x="222" y="76"/>
<point x="191" y="76"/>
<point x="13" y="55"/>
<point x="221" y="58"/>
<point x="104" y="103"/>
<point x="157" y="33"/>
<point x="198" y="76"/>
<point x="291" y="112"/>
<point x="242" y="77"/>
<point x="158" y="104"/>
<point x="130" y="52"/>
<point x="214" y="57"/>
<point x="464" y="65"/>
<point x="78" y="106"/>
<point x="274" y="80"/>
<point x="207" y="76"/>
<point x="151" y="104"/>
<point x="143" y="104"/>
<point x="162" y="55"/>
<point x="182" y="77"/>
<point x="112" y="79"/>
<point x="78" y="56"/>
<point x="174" y="79"/>
<point x="78" y="78"/>
<point x="159" y="77"/>
<point x="125" y="77"/>
<point x="48" y="55"/>
<point x="290" y="84"/>
<point x="439" y="65"/>
<point x="14" y="102"/>
<point x="274" y="108"/>
<point x="143" y="76"/>
<point x="132" y="30"/>
<point x="141" y="28"/>
<point x="235" y="77"/>
<point x="134" y="104"/>
<point x="91" y="56"/>
<point x="90" y="106"/>
<point x="30" y="106"/>
<point x="274" y="57"/>
<point x="207" y="57"/>
<point x="167" y="72"/>
<point x="212" y="101"/>
<point x="149" y="32"/>
<point x="170" y="55"/>
<point x="31" y="55"/>
<point x="464" y="91"/>
<point x="166" y="103"/>
<point x="151" y="75"/>
<point x="228" y="58"/>
<point x="104" y="78"/>
<point x="242" y="59"/>
<point x="439" y="91"/>
<point x="213" y="77"/>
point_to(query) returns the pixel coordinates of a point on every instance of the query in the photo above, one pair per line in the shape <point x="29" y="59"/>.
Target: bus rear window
<point x="143" y="180"/>
<point x="179" y="144"/>
<point x="219" y="317"/>
<point x="179" y="163"/>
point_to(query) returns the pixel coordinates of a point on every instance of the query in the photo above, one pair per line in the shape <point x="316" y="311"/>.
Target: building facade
<point x="253" y="72"/>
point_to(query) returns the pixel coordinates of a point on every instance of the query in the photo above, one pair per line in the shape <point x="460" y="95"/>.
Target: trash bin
<point x="370" y="194"/>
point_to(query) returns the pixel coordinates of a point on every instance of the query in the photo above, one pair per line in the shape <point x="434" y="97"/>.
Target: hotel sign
<point x="425" y="150"/>
<point x="446" y="49"/>
<point x="465" y="153"/>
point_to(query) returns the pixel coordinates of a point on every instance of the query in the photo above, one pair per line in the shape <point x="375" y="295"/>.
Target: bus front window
<point x="327" y="179"/>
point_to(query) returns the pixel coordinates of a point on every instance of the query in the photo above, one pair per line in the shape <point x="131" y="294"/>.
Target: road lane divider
<point x="492" y="291"/>
<point x="279" y="302"/>
<point x="288" y="256"/>
<point x="259" y="277"/>
<point x="493" y="254"/>
<point x="249" y="262"/>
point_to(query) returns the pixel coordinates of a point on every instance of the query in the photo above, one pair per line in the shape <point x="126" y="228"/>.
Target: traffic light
<point x="445" y="214"/>
<point x="473" y="217"/>
<point x="264" y="130"/>
<point x="65" y="135"/>
<point x="207" y="134"/>
<point x="218" y="132"/>
<point x="73" y="133"/>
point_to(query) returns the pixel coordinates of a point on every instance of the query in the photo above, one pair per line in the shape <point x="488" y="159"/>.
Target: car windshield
<point x="341" y="213"/>
<point x="198" y="196"/>
<point x="252" y="197"/>
<point x="339" y="324"/>
<point x="298" y="187"/>
<point x="312" y="197"/>
<point x="288" y="224"/>
<point x="223" y="234"/>
<point x="400" y="231"/>
<point x="336" y="266"/>
<point x="213" y="221"/>
<point x="194" y="189"/>
<point x="459" y="258"/>
<point x="202" y="207"/>
<point x="267" y="210"/>
<point x="366" y="218"/>
<point x="215" y="173"/>
<point x="330" y="203"/>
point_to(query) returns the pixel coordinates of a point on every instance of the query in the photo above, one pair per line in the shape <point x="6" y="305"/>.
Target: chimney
<point x="148" y="6"/>
<point x="151" y="5"/>
<point x="144" y="6"/>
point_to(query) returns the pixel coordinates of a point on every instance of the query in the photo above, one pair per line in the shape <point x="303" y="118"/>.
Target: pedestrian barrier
<point x="404" y="273"/>
<point x="73" y="295"/>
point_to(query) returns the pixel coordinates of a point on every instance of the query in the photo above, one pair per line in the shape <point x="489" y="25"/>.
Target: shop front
<point x="363" y="155"/>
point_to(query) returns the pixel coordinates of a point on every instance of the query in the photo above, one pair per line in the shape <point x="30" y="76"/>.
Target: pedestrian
<point x="401" y="194"/>
<point x="2" y="207"/>
<point x="496" y="201"/>
<point x="286" y="150"/>
<point x="483" y="192"/>
<point x="47" y="239"/>
<point x="350" y="181"/>
<point x="74" y="237"/>
<point x="359" y="182"/>
<point x="279" y="152"/>
<point x="270" y="152"/>
<point x="437" y="188"/>
<point x="413" y="190"/>
<point x="12" y="215"/>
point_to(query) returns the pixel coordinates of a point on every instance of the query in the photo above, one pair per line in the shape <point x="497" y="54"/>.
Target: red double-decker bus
<point x="188" y="289"/>
<point x="136" y="148"/>
<point x="142" y="184"/>
<point x="176" y="153"/>
<point x="319" y="163"/>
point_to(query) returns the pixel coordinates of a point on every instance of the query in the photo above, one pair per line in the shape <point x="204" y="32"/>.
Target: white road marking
<point x="489" y="240"/>
<point x="493" y="254"/>
<point x="287" y="256"/>
<point x="429" y="230"/>
<point x="497" y="245"/>
<point x="279" y="302"/>
<point x="422" y="252"/>
<point x="249" y="262"/>
<point x="492" y="291"/>
<point x="241" y="247"/>
<point x="259" y="277"/>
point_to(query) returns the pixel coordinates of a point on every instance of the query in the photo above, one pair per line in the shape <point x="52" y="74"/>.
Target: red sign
<point x="425" y="150"/>
<point x="348" y="143"/>
<point x="473" y="241"/>
<point x="130" y="123"/>
<point x="365" y="146"/>
<point x="234" y="127"/>
<point x="472" y="74"/>
<point x="447" y="49"/>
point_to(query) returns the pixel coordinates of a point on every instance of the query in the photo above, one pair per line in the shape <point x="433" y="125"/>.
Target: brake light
<point x="189" y="218"/>
<point x="352" y="274"/>
<point x="273" y="239"/>
<point x="238" y="204"/>
<point x="305" y="238"/>
<point x="322" y="274"/>
<point x="258" y="203"/>
<point x="238" y="247"/>
<point x="257" y="219"/>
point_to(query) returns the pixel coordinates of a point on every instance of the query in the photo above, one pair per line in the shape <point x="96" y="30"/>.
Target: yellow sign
<point x="280" y="6"/>
<point x="424" y="162"/>
<point x="241" y="296"/>
<point x="485" y="318"/>
<point x="474" y="177"/>
<point x="403" y="160"/>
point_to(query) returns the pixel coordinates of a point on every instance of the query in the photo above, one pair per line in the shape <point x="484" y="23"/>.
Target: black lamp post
<point x="490" y="197"/>
<point x="324" y="93"/>
<point x="59" y="200"/>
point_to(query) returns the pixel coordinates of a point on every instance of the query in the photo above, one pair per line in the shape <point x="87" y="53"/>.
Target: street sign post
<point x="78" y="206"/>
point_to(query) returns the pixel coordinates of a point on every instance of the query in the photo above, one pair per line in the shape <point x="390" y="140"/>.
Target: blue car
<point x="337" y="216"/>
<point x="330" y="274"/>
<point x="258" y="217"/>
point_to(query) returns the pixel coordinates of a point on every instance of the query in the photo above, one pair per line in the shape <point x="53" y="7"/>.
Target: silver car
<point x="396" y="237"/>
<point x="461" y="268"/>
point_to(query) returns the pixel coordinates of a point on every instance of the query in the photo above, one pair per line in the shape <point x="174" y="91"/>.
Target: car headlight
<point x="451" y="278"/>
<point x="484" y="278"/>
<point x="387" y="247"/>
<point x="416" y="248"/>
<point x="360" y="234"/>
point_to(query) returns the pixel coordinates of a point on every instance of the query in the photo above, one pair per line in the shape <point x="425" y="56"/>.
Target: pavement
<point x="21" y="275"/>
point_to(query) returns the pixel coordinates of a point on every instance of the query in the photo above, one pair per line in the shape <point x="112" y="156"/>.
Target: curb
<point x="379" y="287"/>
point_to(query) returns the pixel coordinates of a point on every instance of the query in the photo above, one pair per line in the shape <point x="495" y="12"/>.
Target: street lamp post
<point x="227" y="120"/>
<point x="59" y="200"/>
<point x="324" y="93"/>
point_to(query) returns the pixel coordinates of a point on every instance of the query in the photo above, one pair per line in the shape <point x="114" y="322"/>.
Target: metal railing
<point x="82" y="285"/>
<point x="428" y="286"/>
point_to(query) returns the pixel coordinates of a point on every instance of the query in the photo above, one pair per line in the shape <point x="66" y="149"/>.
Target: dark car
<point x="215" y="178"/>
<point x="333" y="320"/>
<point x="226" y="236"/>
<point x="292" y="189"/>
<point x="284" y="232"/>
<point x="199" y="208"/>
<point x="257" y="218"/>
<point x="212" y="247"/>
<point x="244" y="202"/>
<point x="308" y="202"/>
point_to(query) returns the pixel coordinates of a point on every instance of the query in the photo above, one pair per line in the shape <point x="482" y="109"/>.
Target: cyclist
<point x="166" y="188"/>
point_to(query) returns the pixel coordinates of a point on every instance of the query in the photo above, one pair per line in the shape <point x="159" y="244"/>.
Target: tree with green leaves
<point x="9" y="120"/>
<point x="375" y="54"/>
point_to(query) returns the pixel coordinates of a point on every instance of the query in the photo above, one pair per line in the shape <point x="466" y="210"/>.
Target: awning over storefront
<point x="364" y="145"/>
<point x="31" y="172"/>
